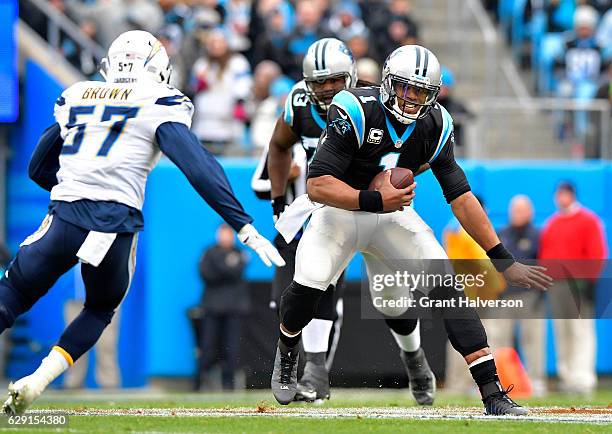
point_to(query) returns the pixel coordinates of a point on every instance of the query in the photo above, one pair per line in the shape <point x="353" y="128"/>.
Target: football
<point x="400" y="178"/>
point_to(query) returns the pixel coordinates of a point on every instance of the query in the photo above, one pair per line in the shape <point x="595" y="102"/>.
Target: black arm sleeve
<point x="44" y="162"/>
<point x="448" y="173"/>
<point x="336" y="147"/>
<point x="202" y="170"/>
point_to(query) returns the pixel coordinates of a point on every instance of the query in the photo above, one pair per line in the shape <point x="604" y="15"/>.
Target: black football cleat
<point x="497" y="402"/>
<point x="314" y="384"/>
<point x="420" y="376"/>
<point x="284" y="375"/>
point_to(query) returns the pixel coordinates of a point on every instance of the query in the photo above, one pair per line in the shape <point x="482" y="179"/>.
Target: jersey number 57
<point x="115" y="130"/>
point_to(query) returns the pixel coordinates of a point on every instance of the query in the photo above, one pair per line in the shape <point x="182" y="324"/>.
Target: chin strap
<point x="401" y="118"/>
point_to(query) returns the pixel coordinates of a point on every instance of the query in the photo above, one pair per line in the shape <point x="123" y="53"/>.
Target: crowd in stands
<point x="567" y="44"/>
<point x="249" y="50"/>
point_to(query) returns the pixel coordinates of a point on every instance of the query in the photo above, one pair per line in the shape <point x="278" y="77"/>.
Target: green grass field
<point x="349" y="411"/>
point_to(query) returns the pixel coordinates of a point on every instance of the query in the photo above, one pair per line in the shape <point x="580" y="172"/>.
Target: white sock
<point x="53" y="365"/>
<point x="315" y="336"/>
<point x="411" y="342"/>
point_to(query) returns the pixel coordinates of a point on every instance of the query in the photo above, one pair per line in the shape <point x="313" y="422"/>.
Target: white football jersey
<point x="109" y="138"/>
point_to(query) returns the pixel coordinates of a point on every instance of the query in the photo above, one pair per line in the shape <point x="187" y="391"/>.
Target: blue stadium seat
<point x="551" y="47"/>
<point x="519" y="28"/>
<point x="565" y="14"/>
<point x="537" y="29"/>
<point x="504" y="9"/>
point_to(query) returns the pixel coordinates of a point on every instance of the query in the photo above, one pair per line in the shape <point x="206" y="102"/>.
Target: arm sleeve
<point x="448" y="173"/>
<point x="44" y="162"/>
<point x="202" y="170"/>
<point x="336" y="147"/>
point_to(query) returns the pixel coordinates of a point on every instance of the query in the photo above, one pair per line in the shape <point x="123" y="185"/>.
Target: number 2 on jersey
<point x="115" y="129"/>
<point x="389" y="161"/>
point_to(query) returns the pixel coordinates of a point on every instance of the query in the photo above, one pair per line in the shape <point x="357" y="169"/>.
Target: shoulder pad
<point x="71" y="92"/>
<point x="445" y="129"/>
<point x="296" y="98"/>
<point x="349" y="103"/>
<point x="170" y="100"/>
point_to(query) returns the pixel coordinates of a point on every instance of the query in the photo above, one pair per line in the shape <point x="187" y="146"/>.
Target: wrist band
<point x="278" y="205"/>
<point x="279" y="200"/>
<point x="370" y="201"/>
<point x="500" y="257"/>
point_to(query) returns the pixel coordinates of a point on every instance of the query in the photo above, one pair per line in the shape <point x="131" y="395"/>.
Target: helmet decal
<point x="154" y="50"/>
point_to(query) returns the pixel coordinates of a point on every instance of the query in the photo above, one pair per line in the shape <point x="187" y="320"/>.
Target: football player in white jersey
<point x="95" y="160"/>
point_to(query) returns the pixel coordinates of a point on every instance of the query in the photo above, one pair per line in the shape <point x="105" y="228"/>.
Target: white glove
<point x="249" y="236"/>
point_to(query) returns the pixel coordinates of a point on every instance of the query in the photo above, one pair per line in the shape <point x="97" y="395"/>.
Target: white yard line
<point x="538" y="414"/>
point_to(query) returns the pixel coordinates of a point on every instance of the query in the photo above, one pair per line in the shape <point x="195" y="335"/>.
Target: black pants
<point x="51" y="252"/>
<point x="220" y="343"/>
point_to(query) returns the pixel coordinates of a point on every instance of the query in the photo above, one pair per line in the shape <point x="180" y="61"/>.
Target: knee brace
<point x="298" y="304"/>
<point x="326" y="308"/>
<point x="463" y="326"/>
<point x="402" y="326"/>
<point x="466" y="335"/>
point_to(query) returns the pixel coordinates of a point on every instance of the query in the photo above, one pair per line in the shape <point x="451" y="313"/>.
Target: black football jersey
<point x="304" y="119"/>
<point x="362" y="138"/>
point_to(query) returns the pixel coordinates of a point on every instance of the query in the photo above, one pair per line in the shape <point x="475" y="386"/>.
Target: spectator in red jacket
<point x="573" y="234"/>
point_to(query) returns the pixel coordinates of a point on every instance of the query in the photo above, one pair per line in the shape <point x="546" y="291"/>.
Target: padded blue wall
<point x="9" y="77"/>
<point x="180" y="225"/>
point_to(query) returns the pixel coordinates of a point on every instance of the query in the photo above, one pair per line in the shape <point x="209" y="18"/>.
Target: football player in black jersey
<point x="328" y="68"/>
<point x="368" y="130"/>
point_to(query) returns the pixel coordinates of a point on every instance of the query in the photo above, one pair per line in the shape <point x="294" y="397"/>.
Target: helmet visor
<point x="413" y="93"/>
<point x="322" y="90"/>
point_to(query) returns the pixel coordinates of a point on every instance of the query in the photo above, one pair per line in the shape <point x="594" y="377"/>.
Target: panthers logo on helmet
<point x="345" y="50"/>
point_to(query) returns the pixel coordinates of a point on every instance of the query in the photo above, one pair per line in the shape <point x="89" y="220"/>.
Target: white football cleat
<point x="22" y="394"/>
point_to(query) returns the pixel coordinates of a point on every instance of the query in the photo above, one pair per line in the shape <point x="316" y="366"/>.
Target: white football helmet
<point x="136" y="54"/>
<point x="327" y="58"/>
<point x="411" y="78"/>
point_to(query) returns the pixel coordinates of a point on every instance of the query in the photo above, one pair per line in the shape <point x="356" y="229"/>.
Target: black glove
<point x="279" y="204"/>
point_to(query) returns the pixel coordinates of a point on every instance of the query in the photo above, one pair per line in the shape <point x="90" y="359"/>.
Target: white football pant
<point x="390" y="242"/>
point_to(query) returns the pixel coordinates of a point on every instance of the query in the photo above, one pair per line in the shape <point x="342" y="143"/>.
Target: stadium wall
<point x="156" y="338"/>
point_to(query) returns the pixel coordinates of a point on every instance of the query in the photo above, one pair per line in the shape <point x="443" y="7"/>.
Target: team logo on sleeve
<point x="375" y="136"/>
<point x="342" y="126"/>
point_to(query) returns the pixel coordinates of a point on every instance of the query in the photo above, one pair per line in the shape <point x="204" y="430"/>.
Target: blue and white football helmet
<point x="135" y="55"/>
<point x="325" y="59"/>
<point x="411" y="79"/>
